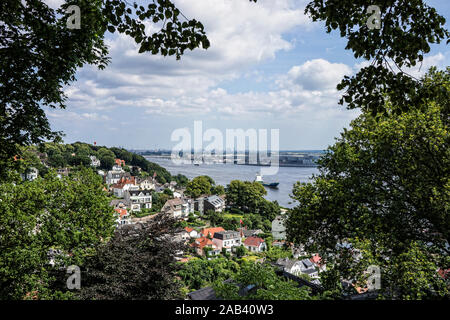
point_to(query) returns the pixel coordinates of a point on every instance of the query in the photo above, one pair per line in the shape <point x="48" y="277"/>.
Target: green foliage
<point x="198" y="186"/>
<point x="37" y="80"/>
<point x="248" y="197"/>
<point x="199" y="273"/>
<point x="137" y="264"/>
<point x="241" y="251"/>
<point x="158" y="201"/>
<point x="275" y="253"/>
<point x="218" y="190"/>
<point x="408" y="28"/>
<point x="383" y="187"/>
<point x="181" y="180"/>
<point x="67" y="214"/>
<point x="267" y="285"/>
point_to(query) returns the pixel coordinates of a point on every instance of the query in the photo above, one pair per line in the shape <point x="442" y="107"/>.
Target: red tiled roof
<point x="120" y="162"/>
<point x="253" y="241"/>
<point x="121" y="212"/>
<point x="202" y="242"/>
<point x="211" y="231"/>
<point x="124" y="181"/>
<point x="188" y="229"/>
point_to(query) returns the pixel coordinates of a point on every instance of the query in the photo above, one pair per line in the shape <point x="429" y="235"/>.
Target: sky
<point x="269" y="67"/>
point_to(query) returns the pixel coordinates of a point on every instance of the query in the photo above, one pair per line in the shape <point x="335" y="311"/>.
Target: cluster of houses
<point x="135" y="194"/>
<point x="212" y="241"/>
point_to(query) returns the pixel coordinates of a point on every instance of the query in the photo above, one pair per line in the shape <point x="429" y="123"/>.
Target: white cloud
<point x="318" y="74"/>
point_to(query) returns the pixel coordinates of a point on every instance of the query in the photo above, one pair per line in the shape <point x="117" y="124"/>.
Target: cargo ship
<point x="269" y="185"/>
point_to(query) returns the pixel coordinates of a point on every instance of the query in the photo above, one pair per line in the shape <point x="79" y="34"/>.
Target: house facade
<point x="94" y="161"/>
<point x="173" y="207"/>
<point x="146" y="183"/>
<point x="215" y="203"/>
<point x="227" y="240"/>
<point x="30" y="174"/>
<point x="138" y="199"/>
<point x="255" y="244"/>
<point x="201" y="243"/>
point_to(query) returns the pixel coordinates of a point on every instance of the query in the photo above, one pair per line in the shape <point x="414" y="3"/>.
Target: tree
<point x="383" y="190"/>
<point x="137" y="264"/>
<point x="198" y="186"/>
<point x="266" y="285"/>
<point x="199" y="273"/>
<point x="39" y="55"/>
<point x="218" y="190"/>
<point x="407" y="28"/>
<point x="245" y="195"/>
<point x="107" y="162"/>
<point x="68" y="215"/>
<point x="181" y="180"/>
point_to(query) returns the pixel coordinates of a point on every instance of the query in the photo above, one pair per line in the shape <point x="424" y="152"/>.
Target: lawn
<point x="231" y="215"/>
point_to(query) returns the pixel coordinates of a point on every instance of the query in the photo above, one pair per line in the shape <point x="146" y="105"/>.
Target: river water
<point x="224" y="173"/>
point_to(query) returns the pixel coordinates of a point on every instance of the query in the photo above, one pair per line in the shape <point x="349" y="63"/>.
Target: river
<point x="224" y="173"/>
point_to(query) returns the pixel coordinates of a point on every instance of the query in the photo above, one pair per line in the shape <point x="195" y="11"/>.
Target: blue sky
<point x="269" y="67"/>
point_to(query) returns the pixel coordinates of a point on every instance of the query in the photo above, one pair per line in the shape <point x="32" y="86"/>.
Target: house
<point x="299" y="251"/>
<point x="298" y="267"/>
<point x="215" y="203"/>
<point x="209" y="232"/>
<point x="177" y="194"/>
<point x="113" y="177"/>
<point x="120" y="163"/>
<point x="193" y="234"/>
<point x="124" y="184"/>
<point x="249" y="233"/>
<point x="146" y="183"/>
<point x="182" y="236"/>
<point x="30" y="174"/>
<point x="227" y="239"/>
<point x="187" y="206"/>
<point x="278" y="228"/>
<point x="94" y="161"/>
<point x="307" y="267"/>
<point x="201" y="243"/>
<point x="138" y="199"/>
<point x="255" y="244"/>
<point x="290" y="266"/>
<point x="62" y="172"/>
<point x="123" y="217"/>
<point x="279" y="243"/>
<point x="173" y="207"/>
<point x="118" y="204"/>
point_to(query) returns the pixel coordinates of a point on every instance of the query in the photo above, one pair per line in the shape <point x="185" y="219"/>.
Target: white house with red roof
<point x="192" y="232"/>
<point x="124" y="184"/>
<point x="255" y="244"/>
<point x="201" y="243"/>
<point x="123" y="217"/>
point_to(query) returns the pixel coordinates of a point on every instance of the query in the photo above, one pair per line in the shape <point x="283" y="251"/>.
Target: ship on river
<point x="270" y="185"/>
